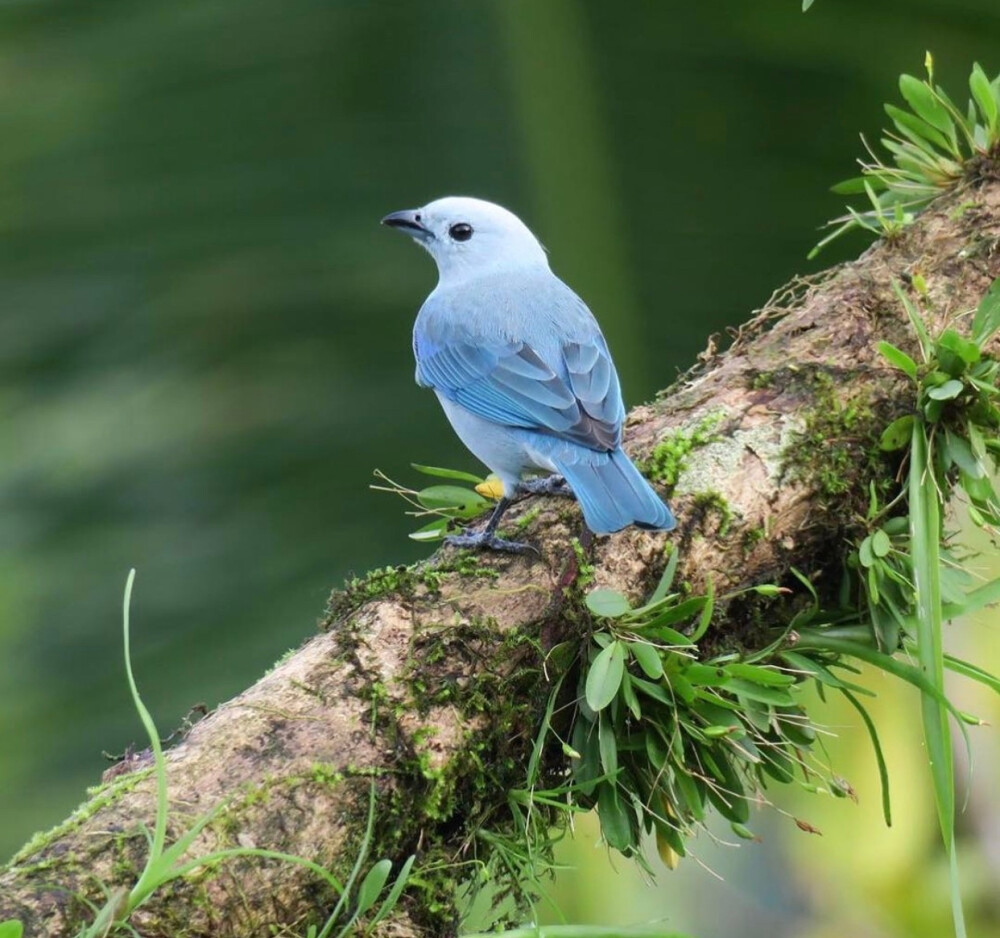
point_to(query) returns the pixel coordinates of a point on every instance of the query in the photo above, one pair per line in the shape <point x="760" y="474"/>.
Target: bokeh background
<point x="204" y="346"/>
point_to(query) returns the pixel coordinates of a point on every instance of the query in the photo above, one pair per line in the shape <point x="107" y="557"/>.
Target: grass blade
<point x="440" y="473"/>
<point x="883" y="771"/>
<point x="966" y="669"/>
<point x="925" y="534"/>
<point x="160" y="824"/>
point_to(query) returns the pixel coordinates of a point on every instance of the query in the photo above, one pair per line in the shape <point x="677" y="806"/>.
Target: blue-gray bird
<point x="522" y="370"/>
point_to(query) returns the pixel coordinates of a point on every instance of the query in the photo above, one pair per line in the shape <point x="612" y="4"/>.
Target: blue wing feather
<point x="508" y="382"/>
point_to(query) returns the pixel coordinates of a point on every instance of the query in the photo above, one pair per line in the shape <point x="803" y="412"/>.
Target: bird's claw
<point x="487" y="540"/>
<point x="548" y="485"/>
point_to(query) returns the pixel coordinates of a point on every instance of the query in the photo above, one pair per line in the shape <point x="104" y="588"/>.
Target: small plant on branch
<point x="933" y="145"/>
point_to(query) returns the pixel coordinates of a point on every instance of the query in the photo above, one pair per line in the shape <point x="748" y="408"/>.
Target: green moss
<point x="280" y="661"/>
<point x="762" y="380"/>
<point x="323" y="773"/>
<point x="527" y="518"/>
<point x="360" y="590"/>
<point x="584" y="568"/>
<point x="669" y="457"/>
<point x="470" y="563"/>
<point x="403" y="581"/>
<point x="837" y="451"/>
<point x="714" y="503"/>
<point x="751" y="537"/>
<point x="99" y="797"/>
<point x="450" y="806"/>
<point x="124" y="869"/>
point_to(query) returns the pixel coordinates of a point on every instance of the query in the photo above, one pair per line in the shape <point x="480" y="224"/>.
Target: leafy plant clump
<point x="934" y="144"/>
<point x="663" y="732"/>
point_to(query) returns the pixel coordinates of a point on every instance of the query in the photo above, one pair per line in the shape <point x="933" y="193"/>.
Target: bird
<point x="522" y="371"/>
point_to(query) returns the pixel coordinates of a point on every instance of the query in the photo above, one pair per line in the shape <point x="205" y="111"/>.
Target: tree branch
<point x="430" y="682"/>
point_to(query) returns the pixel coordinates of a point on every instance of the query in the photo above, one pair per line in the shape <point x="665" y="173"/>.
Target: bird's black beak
<point x="408" y="221"/>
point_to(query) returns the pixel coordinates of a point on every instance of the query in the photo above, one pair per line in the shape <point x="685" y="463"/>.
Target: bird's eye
<point x="460" y="231"/>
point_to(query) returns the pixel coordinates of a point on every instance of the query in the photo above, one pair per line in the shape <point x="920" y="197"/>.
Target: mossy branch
<point x="432" y="681"/>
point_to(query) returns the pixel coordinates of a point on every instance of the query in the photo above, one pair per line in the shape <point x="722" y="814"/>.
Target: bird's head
<point x="469" y="237"/>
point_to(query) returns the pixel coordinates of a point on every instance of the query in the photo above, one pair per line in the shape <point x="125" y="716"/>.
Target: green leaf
<point x="814" y="669"/>
<point x="966" y="350"/>
<point x="925" y="537"/>
<point x="881" y="545"/>
<point x="679" y="613"/>
<point x="972" y="671"/>
<point x="615" y="824"/>
<point x="607" y="745"/>
<point x="666" y="581"/>
<point x="853" y="186"/>
<point x="729" y="797"/>
<point x="947" y="391"/>
<point x="715" y="715"/>
<point x="447" y="473"/>
<point x="142" y="888"/>
<point x="760" y="692"/>
<point x="389" y="903"/>
<point x="648" y="658"/>
<point x="777" y="764"/>
<point x="865" y="555"/>
<point x="607" y="603"/>
<point x="372" y="885"/>
<point x="663" y="634"/>
<point x="883" y="771"/>
<point x="628" y="695"/>
<point x="705" y="619"/>
<point x="432" y="531"/>
<point x="11" y="928"/>
<point x="704" y="675"/>
<point x="898" y="359"/>
<point x="933" y="411"/>
<point x="960" y="453"/>
<point x="653" y="691"/>
<point x="897" y="434"/>
<point x="987" y="319"/>
<point x="455" y="499"/>
<point x="986" y="99"/>
<point x="692" y="791"/>
<point x="605" y="676"/>
<point x="806" y="4"/>
<point x="587" y="770"/>
<point x="926" y="104"/>
<point x="681" y="687"/>
<point x="916" y="321"/>
<point x="766" y="676"/>
<point x="917" y="130"/>
<point x="794" y="726"/>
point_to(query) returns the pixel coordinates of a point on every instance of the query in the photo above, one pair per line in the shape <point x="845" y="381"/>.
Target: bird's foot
<point x="487" y="540"/>
<point x="548" y="485"/>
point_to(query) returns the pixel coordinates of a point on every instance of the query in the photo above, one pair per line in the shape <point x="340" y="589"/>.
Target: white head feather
<point x="470" y="238"/>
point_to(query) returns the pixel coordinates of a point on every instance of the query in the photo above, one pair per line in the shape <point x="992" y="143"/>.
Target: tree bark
<point x="430" y="682"/>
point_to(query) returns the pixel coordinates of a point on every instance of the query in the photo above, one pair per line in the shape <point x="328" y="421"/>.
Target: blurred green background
<point x="204" y="343"/>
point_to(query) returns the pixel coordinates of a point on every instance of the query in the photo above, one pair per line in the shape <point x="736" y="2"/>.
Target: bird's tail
<point x="613" y="494"/>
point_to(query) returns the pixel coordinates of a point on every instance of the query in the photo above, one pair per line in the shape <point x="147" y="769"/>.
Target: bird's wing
<point x="509" y="383"/>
